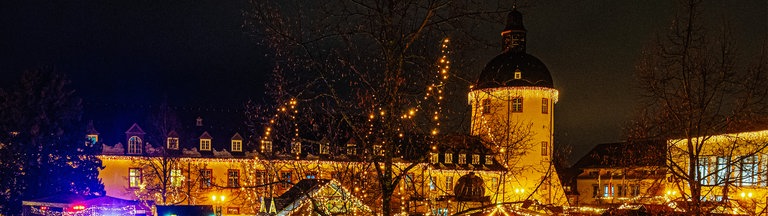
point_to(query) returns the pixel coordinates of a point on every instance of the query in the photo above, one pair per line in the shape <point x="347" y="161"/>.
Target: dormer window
<point x="266" y="146"/>
<point x="448" y="157"/>
<point x="92" y="138"/>
<point x="295" y="146"/>
<point x="325" y="148"/>
<point x="172" y="143"/>
<point x="351" y="149"/>
<point x="434" y="158"/>
<point x="205" y="144"/>
<point x="237" y="145"/>
<point x="518" y="74"/>
<point x="199" y="121"/>
<point x="475" y="159"/>
<point x="488" y="160"/>
<point x="378" y="150"/>
<point x="134" y="145"/>
<point x="462" y="158"/>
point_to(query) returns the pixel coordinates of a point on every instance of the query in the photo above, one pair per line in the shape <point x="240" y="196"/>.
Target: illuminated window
<point x="432" y="183"/>
<point x="172" y="142"/>
<point x="449" y="183"/>
<point x="295" y="146"/>
<point x="233" y="210"/>
<point x="434" y="158"/>
<point x="233" y="178"/>
<point x="286" y="178"/>
<point x="544" y="106"/>
<point x="266" y="146"/>
<point x="703" y="169"/>
<point x="92" y="138"/>
<point x="544" y="148"/>
<point x="206" y="177"/>
<point x="749" y="171"/>
<point x="723" y="169"/>
<point x="487" y="106"/>
<point x="462" y="158"/>
<point x="518" y="74"/>
<point x="517" y="104"/>
<point x="634" y="190"/>
<point x="134" y="177"/>
<point x="488" y="159"/>
<point x="608" y="191"/>
<point x="494" y="182"/>
<point x="237" y="145"/>
<point x="325" y="148"/>
<point x="311" y="175"/>
<point x="475" y="159"/>
<point x="205" y="144"/>
<point x="176" y="178"/>
<point x="261" y="177"/>
<point x="351" y="149"/>
<point x="448" y="157"/>
<point x="134" y="145"/>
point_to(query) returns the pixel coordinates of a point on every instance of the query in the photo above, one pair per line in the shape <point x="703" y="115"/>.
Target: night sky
<point x="195" y="53"/>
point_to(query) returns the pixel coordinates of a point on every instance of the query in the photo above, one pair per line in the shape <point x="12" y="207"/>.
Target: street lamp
<point x="219" y="199"/>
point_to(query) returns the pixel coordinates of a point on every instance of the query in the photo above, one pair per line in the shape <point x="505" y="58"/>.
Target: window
<point x="134" y="177"/>
<point x="237" y="145"/>
<point x="285" y="177"/>
<point x="172" y="143"/>
<point x="487" y="106"/>
<point x="176" y="178"/>
<point x="608" y="190"/>
<point x="703" y="170"/>
<point x="494" y="183"/>
<point x="378" y="150"/>
<point x="434" y="158"/>
<point x="92" y="138"/>
<point x="518" y="74"/>
<point x="199" y="121"/>
<point x="295" y="147"/>
<point x="206" y="177"/>
<point x="634" y="190"/>
<point x="233" y="210"/>
<point x="448" y="157"/>
<point x="544" y="106"/>
<point x="325" y="148"/>
<point x="723" y="170"/>
<point x="351" y="149"/>
<point x="205" y="144"/>
<point x="233" y="178"/>
<point x="462" y="158"/>
<point x="266" y="146"/>
<point x="488" y="160"/>
<point x="749" y="171"/>
<point x="432" y="183"/>
<point x="621" y="190"/>
<point x="517" y="104"/>
<point x="449" y="183"/>
<point x="261" y="177"/>
<point x="595" y="191"/>
<point x="409" y="181"/>
<point x="134" y="145"/>
<point x="311" y="175"/>
<point x="544" y="148"/>
<point x="475" y="159"/>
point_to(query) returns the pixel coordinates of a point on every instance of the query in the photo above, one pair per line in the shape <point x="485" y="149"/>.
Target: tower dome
<point x="514" y="67"/>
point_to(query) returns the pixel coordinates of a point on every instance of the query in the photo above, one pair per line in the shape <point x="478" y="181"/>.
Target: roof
<point x="500" y="72"/>
<point x="624" y="154"/>
<point x="293" y="198"/>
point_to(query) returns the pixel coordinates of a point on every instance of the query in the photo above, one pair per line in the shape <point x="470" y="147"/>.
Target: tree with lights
<point x="44" y="140"/>
<point x="358" y="70"/>
<point x="696" y="95"/>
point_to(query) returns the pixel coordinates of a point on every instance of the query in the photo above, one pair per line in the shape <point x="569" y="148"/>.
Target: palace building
<point x="506" y="159"/>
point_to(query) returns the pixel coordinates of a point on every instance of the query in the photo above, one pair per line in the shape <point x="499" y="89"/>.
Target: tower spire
<point x="514" y="34"/>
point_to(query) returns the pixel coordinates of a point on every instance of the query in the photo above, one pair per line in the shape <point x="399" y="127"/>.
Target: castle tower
<point x="512" y="110"/>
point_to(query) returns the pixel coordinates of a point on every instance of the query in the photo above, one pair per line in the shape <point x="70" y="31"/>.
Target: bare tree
<point x="693" y="89"/>
<point x="364" y="67"/>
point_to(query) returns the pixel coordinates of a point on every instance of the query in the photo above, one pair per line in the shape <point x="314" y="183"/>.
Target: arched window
<point x="134" y="145"/>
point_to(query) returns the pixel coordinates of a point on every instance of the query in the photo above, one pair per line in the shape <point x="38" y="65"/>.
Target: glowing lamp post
<point x="218" y="200"/>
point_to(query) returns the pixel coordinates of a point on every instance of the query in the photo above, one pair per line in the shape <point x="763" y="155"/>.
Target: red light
<point x="43" y="208"/>
<point x="78" y="207"/>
